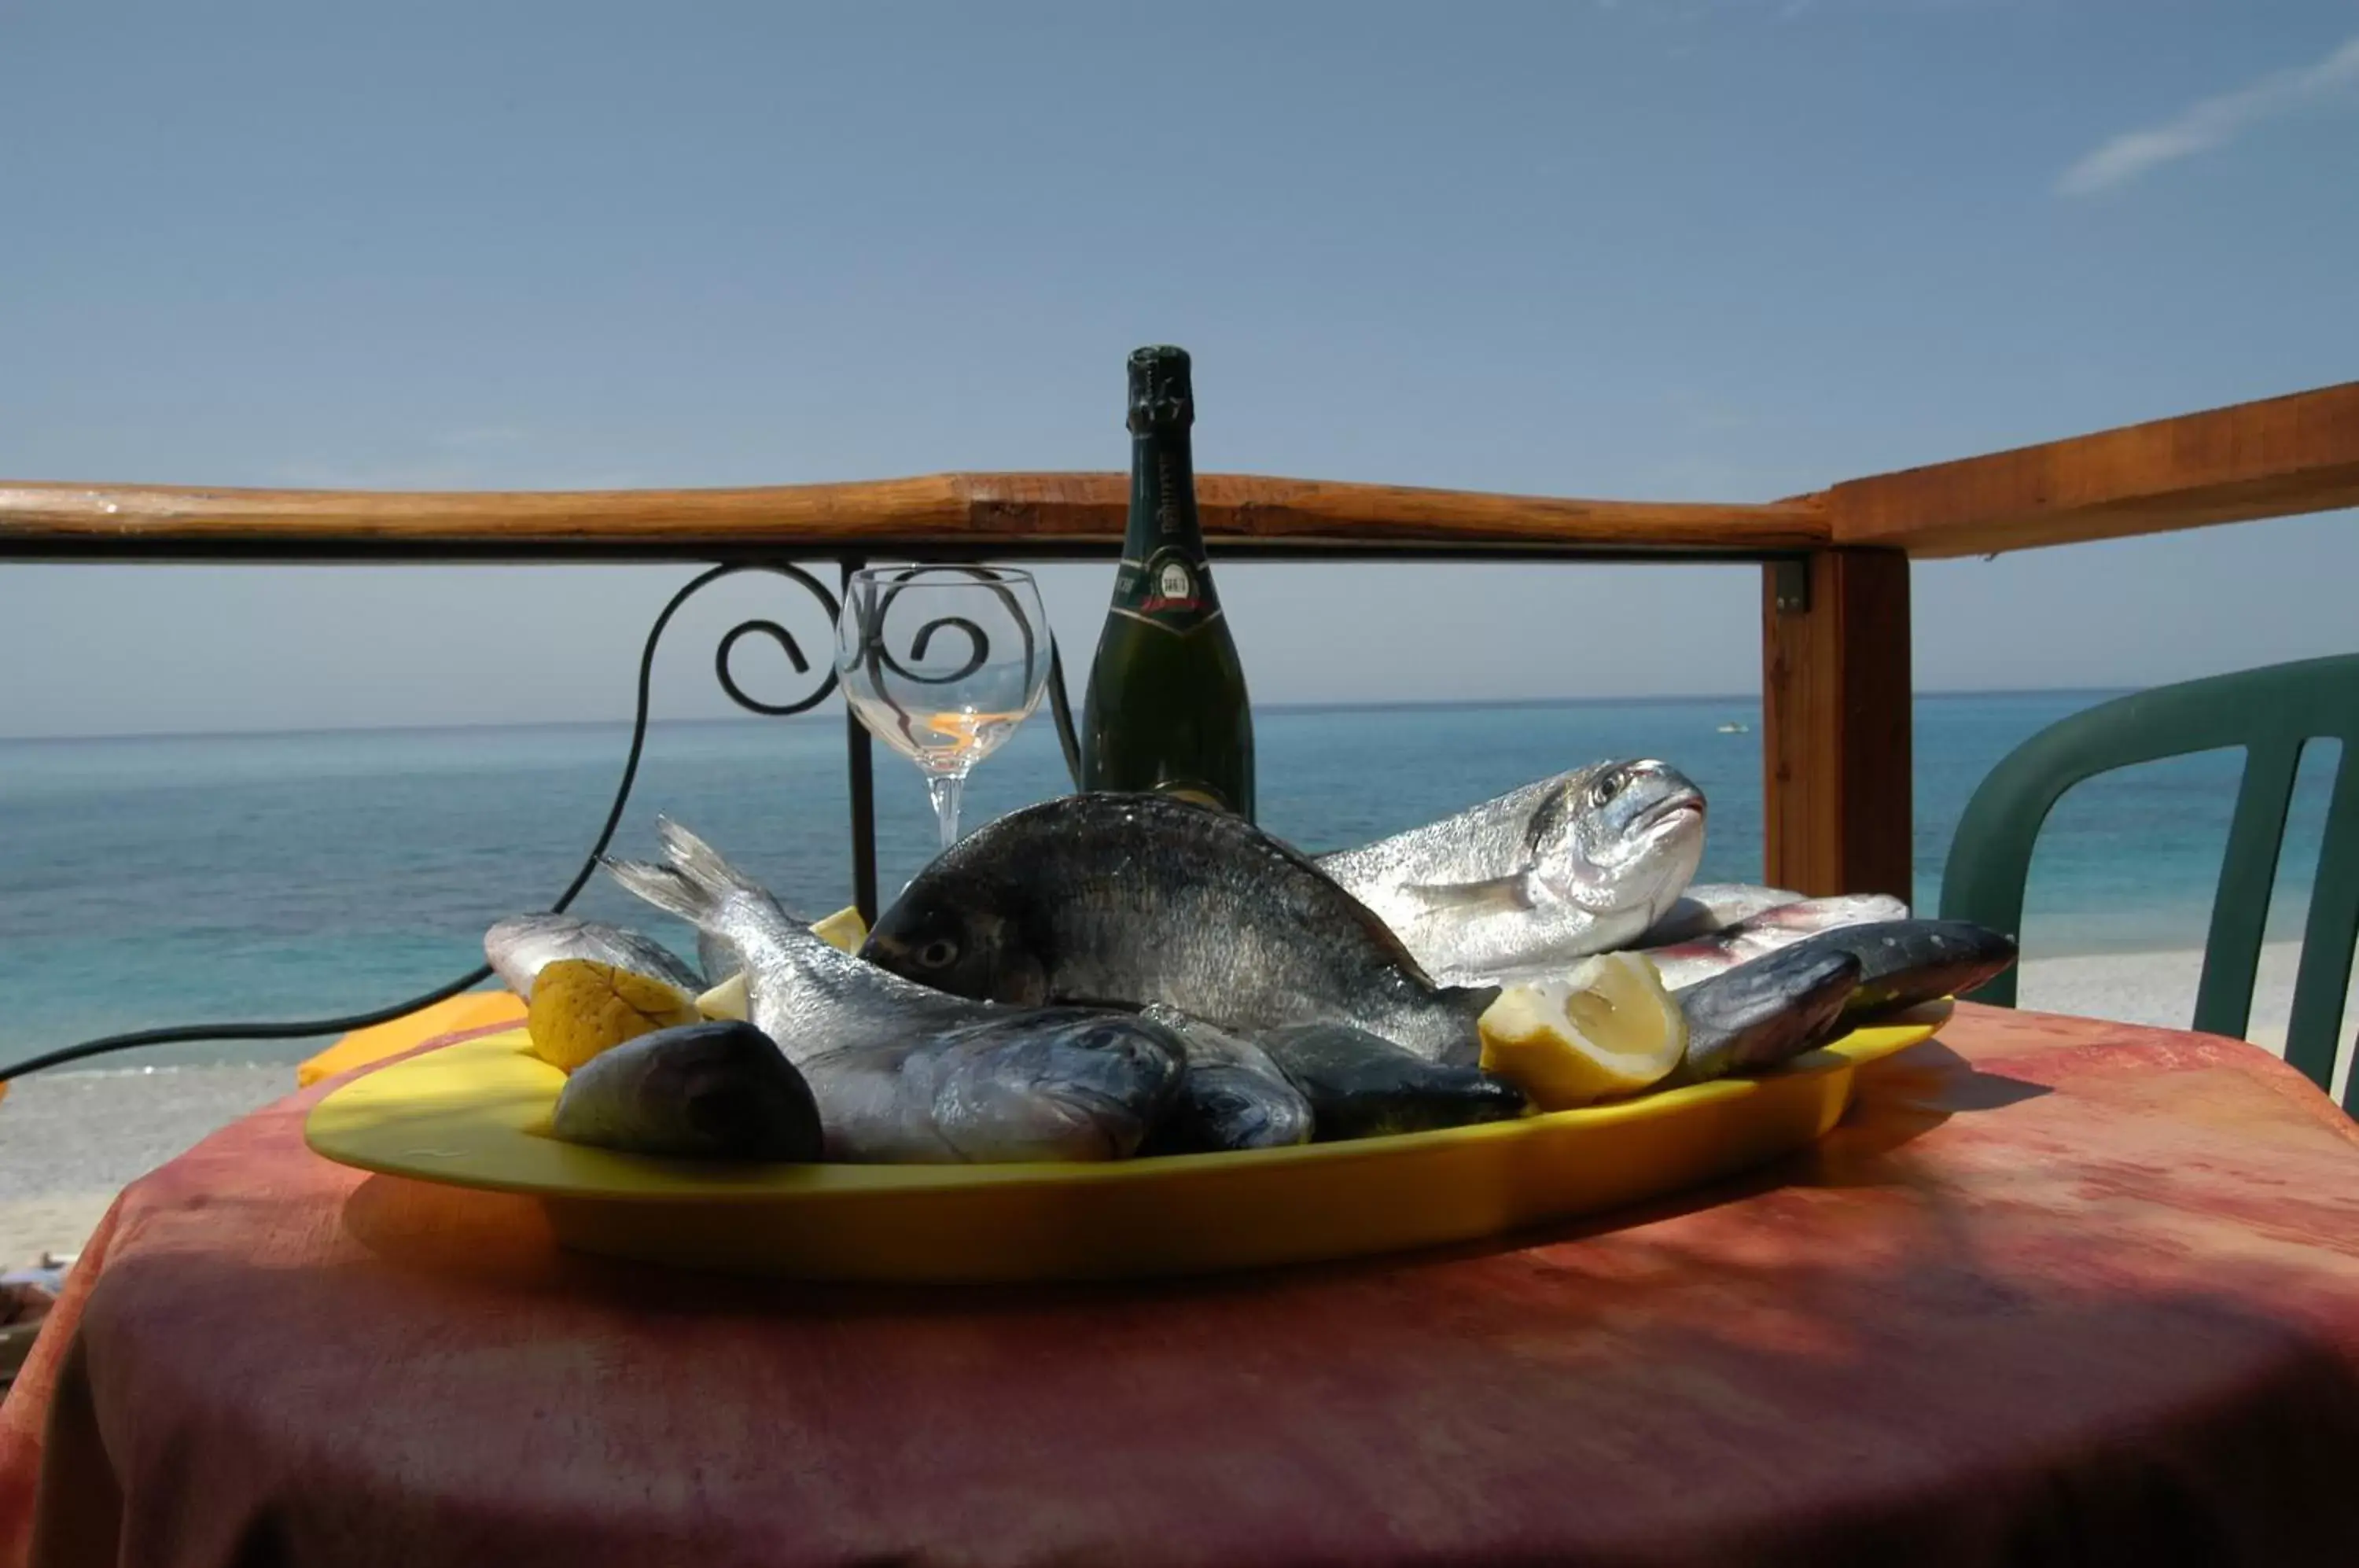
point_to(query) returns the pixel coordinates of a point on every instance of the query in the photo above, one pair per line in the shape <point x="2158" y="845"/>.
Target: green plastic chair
<point x="2272" y="715"/>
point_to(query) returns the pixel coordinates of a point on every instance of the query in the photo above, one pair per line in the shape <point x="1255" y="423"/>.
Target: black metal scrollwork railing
<point x="861" y="779"/>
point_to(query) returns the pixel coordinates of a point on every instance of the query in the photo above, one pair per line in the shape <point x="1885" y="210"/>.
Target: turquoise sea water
<point x="154" y="881"/>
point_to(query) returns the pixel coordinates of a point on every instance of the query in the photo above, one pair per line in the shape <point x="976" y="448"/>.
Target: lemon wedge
<point x="843" y="930"/>
<point x="726" y="1001"/>
<point x="1607" y="1028"/>
<point x="581" y="1007"/>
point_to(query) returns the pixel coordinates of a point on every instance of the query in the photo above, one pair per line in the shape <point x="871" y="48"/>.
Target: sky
<point x="1658" y="249"/>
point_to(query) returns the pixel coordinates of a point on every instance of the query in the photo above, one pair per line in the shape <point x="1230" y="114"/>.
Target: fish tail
<point x="670" y="890"/>
<point x="706" y="891"/>
<point x="703" y="865"/>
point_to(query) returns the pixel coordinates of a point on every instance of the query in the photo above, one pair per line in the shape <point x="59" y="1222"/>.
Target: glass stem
<point x="945" y="789"/>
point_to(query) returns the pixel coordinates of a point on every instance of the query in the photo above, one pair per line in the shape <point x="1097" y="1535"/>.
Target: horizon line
<point x="1751" y="699"/>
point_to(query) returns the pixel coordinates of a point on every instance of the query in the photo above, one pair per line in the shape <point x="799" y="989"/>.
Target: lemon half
<point x="1607" y="1028"/>
<point x="845" y="928"/>
<point x="581" y="1007"/>
<point x="726" y="1001"/>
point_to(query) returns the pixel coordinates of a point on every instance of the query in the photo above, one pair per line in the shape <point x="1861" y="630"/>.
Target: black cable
<point x="306" y="1028"/>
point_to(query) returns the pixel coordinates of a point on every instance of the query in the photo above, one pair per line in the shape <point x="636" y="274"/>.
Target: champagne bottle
<point x="1166" y="708"/>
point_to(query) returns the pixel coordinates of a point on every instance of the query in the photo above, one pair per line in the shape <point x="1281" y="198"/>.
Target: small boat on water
<point x="1735" y="727"/>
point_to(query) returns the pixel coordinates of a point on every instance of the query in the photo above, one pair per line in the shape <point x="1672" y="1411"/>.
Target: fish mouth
<point x="1667" y="814"/>
<point x="1117" y="1118"/>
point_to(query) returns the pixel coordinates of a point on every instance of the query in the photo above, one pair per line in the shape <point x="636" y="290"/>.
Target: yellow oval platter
<point x="473" y="1113"/>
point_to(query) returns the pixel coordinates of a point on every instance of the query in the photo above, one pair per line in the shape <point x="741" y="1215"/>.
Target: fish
<point x="1762" y="1013"/>
<point x="1053" y="1084"/>
<point x="1685" y="963"/>
<point x="1578" y="864"/>
<point x="1906" y="963"/>
<point x="1123" y="899"/>
<point x="1232" y="1096"/>
<point x="1773" y="1008"/>
<point x="718" y="957"/>
<point x="805" y="996"/>
<point x="903" y="1072"/>
<point x="1361" y="1086"/>
<point x="1703" y="909"/>
<point x="701" y="1091"/>
<point x="523" y="945"/>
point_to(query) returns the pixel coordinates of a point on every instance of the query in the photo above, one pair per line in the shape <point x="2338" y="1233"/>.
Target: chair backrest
<point x="2272" y="715"/>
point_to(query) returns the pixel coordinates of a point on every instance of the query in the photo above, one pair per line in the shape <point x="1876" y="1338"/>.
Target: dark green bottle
<point x="1165" y="708"/>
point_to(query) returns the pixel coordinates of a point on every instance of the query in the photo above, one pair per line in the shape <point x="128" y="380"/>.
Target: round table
<point x="2055" y="1291"/>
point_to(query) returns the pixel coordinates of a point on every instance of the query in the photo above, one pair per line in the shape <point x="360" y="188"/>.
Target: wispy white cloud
<point x="2214" y="122"/>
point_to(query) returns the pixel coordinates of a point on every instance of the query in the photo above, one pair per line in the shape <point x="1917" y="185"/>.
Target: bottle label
<point x="1170" y="590"/>
<point x="1196" y="793"/>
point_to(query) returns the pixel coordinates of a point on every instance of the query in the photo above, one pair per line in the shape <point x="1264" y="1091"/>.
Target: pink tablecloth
<point x="2056" y="1291"/>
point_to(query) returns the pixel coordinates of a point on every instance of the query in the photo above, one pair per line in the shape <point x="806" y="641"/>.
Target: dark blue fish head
<point x="1055" y="1082"/>
<point x="955" y="932"/>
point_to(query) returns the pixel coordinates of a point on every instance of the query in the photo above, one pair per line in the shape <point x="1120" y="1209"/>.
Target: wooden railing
<point x="1835" y="628"/>
<point x="1835" y="679"/>
<point x="1000" y="514"/>
<point x="2271" y="459"/>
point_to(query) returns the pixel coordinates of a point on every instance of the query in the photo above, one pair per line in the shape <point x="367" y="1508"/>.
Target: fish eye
<point x="1605" y="789"/>
<point x="939" y="954"/>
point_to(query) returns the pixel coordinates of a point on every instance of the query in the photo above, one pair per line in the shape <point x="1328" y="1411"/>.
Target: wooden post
<point x="1835" y="763"/>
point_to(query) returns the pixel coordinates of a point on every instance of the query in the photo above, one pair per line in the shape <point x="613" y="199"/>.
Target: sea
<point x="153" y="881"/>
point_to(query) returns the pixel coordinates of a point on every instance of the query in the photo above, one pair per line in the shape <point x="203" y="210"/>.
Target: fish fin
<point x="705" y="867"/>
<point x="701" y="862"/>
<point x="1473" y="1002"/>
<point x="1473" y="998"/>
<point x="1497" y="896"/>
<point x="718" y="956"/>
<point x="672" y="891"/>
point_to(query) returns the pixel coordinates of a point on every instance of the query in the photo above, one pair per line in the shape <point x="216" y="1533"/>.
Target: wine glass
<point x="941" y="663"/>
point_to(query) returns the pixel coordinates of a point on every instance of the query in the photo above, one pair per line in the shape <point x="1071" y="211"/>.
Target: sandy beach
<point x="70" y="1141"/>
<point x="2160" y="988"/>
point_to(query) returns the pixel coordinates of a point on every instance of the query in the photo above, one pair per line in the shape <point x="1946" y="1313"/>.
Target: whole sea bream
<point x="1126" y="899"/>
<point x="1772" y="1007"/>
<point x="1757" y="936"/>
<point x="1579" y="864"/>
<point x="903" y="1072"/>
<point x="715" y="1090"/>
<point x="1703" y="909"/>
<point x="1765" y="1012"/>
<point x="523" y="945"/>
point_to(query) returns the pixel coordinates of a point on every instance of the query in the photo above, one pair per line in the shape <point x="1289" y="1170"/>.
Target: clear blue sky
<point x="1674" y="250"/>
